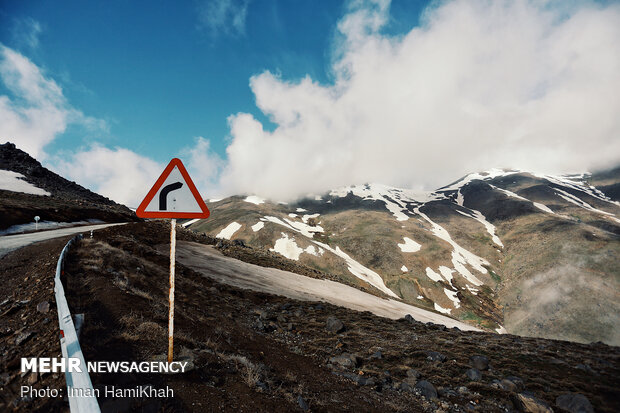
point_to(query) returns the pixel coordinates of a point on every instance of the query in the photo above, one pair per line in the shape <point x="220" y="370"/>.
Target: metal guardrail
<point x="70" y="346"/>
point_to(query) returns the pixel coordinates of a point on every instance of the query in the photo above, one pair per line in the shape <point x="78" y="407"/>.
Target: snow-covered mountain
<point x="511" y="250"/>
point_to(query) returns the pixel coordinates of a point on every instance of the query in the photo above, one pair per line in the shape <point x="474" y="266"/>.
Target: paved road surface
<point x="208" y="261"/>
<point x="9" y="243"/>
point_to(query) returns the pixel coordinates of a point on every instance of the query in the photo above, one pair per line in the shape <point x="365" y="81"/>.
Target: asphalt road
<point x="9" y="243"/>
<point x="210" y="262"/>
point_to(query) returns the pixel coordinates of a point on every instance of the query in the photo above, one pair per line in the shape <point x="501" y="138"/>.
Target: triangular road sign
<point x="174" y="195"/>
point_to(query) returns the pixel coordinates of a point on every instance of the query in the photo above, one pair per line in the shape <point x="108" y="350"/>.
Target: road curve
<point x="9" y="243"/>
<point x="211" y="263"/>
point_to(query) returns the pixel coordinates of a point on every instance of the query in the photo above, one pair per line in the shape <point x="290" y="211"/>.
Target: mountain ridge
<point x="466" y="231"/>
<point x="57" y="199"/>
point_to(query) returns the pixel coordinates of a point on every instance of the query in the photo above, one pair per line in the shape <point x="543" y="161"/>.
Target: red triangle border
<point x="140" y="212"/>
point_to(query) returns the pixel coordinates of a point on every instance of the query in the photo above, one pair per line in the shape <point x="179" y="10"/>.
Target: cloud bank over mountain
<point x="478" y="84"/>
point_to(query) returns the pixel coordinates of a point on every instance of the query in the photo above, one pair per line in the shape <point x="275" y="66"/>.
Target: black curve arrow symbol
<point x="163" y="195"/>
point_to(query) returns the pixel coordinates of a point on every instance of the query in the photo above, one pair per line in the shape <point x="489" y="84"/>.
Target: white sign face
<point x="174" y="196"/>
<point x="37" y="218"/>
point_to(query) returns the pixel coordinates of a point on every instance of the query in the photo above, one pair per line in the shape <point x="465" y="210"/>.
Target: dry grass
<point x="251" y="372"/>
<point x="140" y="293"/>
<point x="136" y="328"/>
<point x="122" y="283"/>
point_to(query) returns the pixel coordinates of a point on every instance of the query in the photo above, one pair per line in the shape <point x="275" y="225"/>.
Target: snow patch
<point x="359" y="270"/>
<point x="287" y="247"/>
<point x="446" y="273"/>
<point x="305" y="218"/>
<point x="453" y="297"/>
<point x="229" y="231"/>
<point x="432" y="274"/>
<point x="482" y="176"/>
<point x="317" y="252"/>
<point x="396" y="200"/>
<point x="409" y="245"/>
<point x="190" y="222"/>
<point x="304" y="228"/>
<point x="472" y="290"/>
<point x="258" y="226"/>
<point x="477" y="215"/>
<point x="13" y="181"/>
<point x="538" y="205"/>
<point x="460" y="256"/>
<point x="253" y="199"/>
<point x="574" y="200"/>
<point x="441" y="309"/>
<point x="577" y="183"/>
<point x="300" y="210"/>
<point x="509" y="193"/>
<point x="296" y="226"/>
<point x="543" y="207"/>
<point x="460" y="198"/>
<point x="404" y="269"/>
<point x="276" y="220"/>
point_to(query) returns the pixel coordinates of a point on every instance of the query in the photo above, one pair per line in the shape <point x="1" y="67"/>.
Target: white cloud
<point x="479" y="84"/>
<point x="203" y="166"/>
<point x="126" y="176"/>
<point x="119" y="174"/>
<point x="37" y="111"/>
<point x="223" y="16"/>
<point x="26" y="32"/>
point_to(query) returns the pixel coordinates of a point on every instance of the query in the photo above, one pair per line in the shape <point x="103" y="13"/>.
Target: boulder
<point x="43" y="307"/>
<point x="508" y="385"/>
<point x="343" y="360"/>
<point x="473" y="374"/>
<point x="435" y="356"/>
<point x="426" y="389"/>
<point x="513" y="383"/>
<point x="334" y="325"/>
<point x="479" y="362"/>
<point x="302" y="403"/>
<point x="574" y="403"/>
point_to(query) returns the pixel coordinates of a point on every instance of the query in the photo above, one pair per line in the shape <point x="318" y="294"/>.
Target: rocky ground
<point x="29" y="324"/>
<point x="256" y="352"/>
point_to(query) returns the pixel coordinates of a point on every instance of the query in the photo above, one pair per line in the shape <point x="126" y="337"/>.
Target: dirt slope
<point x="258" y="352"/>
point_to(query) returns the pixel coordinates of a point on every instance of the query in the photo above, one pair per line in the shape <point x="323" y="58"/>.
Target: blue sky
<point x="248" y="92"/>
<point x="160" y="74"/>
<point x="157" y="73"/>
